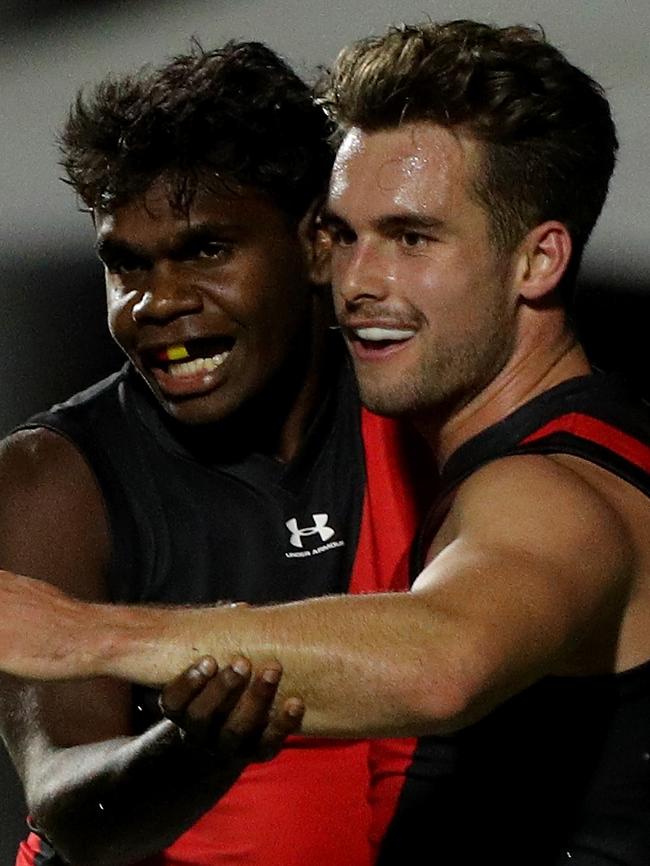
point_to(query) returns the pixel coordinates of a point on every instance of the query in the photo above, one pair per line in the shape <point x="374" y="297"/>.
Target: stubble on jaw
<point x="446" y="377"/>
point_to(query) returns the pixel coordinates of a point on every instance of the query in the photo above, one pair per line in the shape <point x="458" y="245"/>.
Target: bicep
<point x="53" y="527"/>
<point x="533" y="560"/>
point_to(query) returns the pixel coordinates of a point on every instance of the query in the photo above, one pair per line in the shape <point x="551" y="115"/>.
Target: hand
<point x="44" y="633"/>
<point x="230" y="712"/>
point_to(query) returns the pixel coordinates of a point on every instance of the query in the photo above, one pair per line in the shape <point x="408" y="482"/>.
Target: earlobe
<point x="316" y="245"/>
<point x="544" y="257"/>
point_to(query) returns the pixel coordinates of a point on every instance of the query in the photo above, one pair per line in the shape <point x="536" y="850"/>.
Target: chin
<point x="195" y="412"/>
<point x="404" y="400"/>
<point x="391" y="406"/>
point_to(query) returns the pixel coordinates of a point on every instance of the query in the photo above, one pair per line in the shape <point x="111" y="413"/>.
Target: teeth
<point x="378" y="334"/>
<point x="198" y="365"/>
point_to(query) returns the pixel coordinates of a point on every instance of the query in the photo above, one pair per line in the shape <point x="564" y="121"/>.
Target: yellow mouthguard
<point x="177" y="353"/>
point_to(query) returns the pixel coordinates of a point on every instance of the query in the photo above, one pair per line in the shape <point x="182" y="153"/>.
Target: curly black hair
<point x="237" y="115"/>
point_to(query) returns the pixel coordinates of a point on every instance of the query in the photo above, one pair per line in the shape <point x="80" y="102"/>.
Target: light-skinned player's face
<point x="424" y="298"/>
<point x="209" y="305"/>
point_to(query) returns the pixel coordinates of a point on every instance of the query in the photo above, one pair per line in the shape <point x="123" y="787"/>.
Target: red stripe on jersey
<point x="390" y="509"/>
<point x="388" y="761"/>
<point x="306" y="806"/>
<point x="598" y="432"/>
<point x="28" y="851"/>
<point x="391" y="515"/>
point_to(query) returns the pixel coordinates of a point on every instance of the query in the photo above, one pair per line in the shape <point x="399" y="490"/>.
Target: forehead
<point x="420" y="167"/>
<point x="223" y="204"/>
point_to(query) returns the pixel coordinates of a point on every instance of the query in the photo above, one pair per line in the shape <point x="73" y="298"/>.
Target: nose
<point x="359" y="272"/>
<point x="167" y="295"/>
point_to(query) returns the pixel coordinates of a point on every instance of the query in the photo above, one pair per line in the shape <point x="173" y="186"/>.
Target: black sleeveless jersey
<point x="196" y="517"/>
<point x="559" y="774"/>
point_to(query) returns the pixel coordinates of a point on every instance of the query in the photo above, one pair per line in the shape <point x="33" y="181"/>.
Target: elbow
<point x="445" y="707"/>
<point x="77" y="837"/>
<point x="453" y="697"/>
<point x="460" y="707"/>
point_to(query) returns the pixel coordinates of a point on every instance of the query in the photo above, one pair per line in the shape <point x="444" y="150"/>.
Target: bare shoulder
<point x="52" y="518"/>
<point x="532" y="570"/>
<point x="541" y="501"/>
<point x="535" y="520"/>
<point x="37" y="454"/>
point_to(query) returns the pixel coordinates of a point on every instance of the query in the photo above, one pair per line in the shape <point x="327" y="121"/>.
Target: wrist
<point x="201" y="758"/>
<point x="117" y="641"/>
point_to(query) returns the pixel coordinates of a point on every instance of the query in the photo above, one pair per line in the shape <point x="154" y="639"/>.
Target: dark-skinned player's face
<point x="206" y="304"/>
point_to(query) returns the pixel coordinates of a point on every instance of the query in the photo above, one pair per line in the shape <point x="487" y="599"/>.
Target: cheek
<point x="339" y="257"/>
<point x="276" y="297"/>
<point x="118" y="309"/>
<point x="425" y="283"/>
<point x="448" y="283"/>
<point x="282" y="316"/>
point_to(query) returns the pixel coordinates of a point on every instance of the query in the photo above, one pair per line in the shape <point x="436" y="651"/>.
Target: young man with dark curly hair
<point x="224" y="462"/>
<point x="473" y="164"/>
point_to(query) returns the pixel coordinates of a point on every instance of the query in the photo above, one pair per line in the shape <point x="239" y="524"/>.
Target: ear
<point x="542" y="259"/>
<point x="316" y="245"/>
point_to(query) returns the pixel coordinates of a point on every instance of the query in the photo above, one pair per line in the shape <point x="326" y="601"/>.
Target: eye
<point x="413" y="240"/>
<point x="340" y="235"/>
<point x="211" y="250"/>
<point x="124" y="264"/>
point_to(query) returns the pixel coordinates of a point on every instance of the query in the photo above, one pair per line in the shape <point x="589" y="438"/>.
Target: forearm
<point x="362" y="664"/>
<point x="118" y="801"/>
<point x="398" y="664"/>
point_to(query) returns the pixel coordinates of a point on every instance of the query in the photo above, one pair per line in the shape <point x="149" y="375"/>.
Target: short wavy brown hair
<point x="548" y="135"/>
<point x="237" y="114"/>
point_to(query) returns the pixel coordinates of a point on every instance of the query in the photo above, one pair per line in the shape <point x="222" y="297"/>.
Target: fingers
<point x="251" y="715"/>
<point x="200" y="698"/>
<point x="176" y="695"/>
<point x="286" y="721"/>
<point x="230" y="712"/>
<point x="256" y="729"/>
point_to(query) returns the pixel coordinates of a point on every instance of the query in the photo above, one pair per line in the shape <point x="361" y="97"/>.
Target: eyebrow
<point x="408" y="220"/>
<point x="185" y="240"/>
<point x="111" y="248"/>
<point x="388" y="222"/>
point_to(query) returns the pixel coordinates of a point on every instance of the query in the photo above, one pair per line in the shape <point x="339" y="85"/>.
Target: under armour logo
<point x="320" y="527"/>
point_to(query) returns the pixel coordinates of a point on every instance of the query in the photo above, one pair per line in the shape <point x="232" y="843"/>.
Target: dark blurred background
<point x="52" y="331"/>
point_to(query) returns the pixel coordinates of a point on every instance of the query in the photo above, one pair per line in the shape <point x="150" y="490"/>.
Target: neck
<point x="526" y="375"/>
<point x="309" y="393"/>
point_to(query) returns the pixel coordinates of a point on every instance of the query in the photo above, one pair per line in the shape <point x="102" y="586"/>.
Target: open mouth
<point x="191" y="358"/>
<point x="377" y="338"/>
